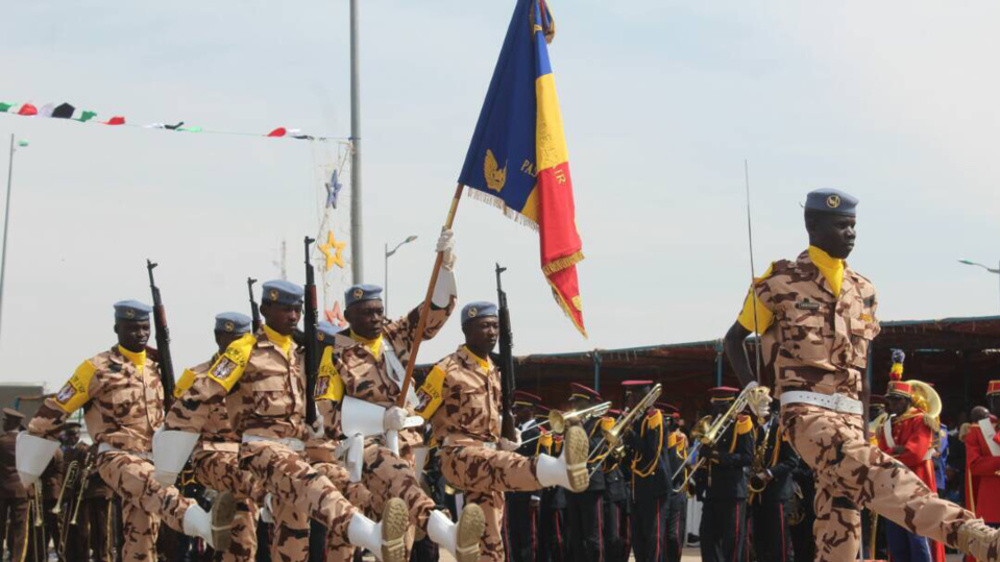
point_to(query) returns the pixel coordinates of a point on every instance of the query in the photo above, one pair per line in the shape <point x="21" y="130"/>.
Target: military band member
<point x="520" y="515"/>
<point x="552" y="508"/>
<point x="615" y="502"/>
<point x="215" y="459"/>
<point x="821" y="315"/>
<point x="584" y="509"/>
<point x="771" y="532"/>
<point x="651" y="473"/>
<point x="358" y="402"/>
<point x="982" y="457"/>
<point x="461" y="399"/>
<point x="723" y="485"/>
<point x="677" y="451"/>
<point x="122" y="397"/>
<point x="261" y="381"/>
<point x="13" y="496"/>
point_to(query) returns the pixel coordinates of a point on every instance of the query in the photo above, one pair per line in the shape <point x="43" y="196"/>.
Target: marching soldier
<point x="520" y="515"/>
<point x="13" y="496"/>
<point x="584" y="508"/>
<point x="651" y="475"/>
<point x="821" y="315"/>
<point x="261" y="381"/>
<point x="358" y="402"/>
<point x="677" y="451"/>
<point x="461" y="399"/>
<point x="215" y="459"/>
<point x="982" y="458"/>
<point x="724" y="485"/>
<point x="772" y="534"/>
<point x="122" y="397"/>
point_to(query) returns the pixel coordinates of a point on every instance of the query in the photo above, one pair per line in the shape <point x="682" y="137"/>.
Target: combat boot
<point x="214" y="527"/>
<point x="386" y="539"/>
<point x="460" y="539"/>
<point x="570" y="469"/>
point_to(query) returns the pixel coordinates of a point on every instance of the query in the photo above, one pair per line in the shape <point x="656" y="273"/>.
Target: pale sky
<point x="893" y="102"/>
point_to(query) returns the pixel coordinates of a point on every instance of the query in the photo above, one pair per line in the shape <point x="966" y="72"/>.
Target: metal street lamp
<point x="388" y="253"/>
<point x="6" y="219"/>
<point x="987" y="268"/>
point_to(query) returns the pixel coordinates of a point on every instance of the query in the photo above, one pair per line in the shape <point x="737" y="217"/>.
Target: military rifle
<point x="506" y="362"/>
<point x="162" y="338"/>
<point x="310" y="320"/>
<point x="254" y="308"/>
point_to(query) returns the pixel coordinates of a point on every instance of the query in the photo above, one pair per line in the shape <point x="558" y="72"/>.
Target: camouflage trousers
<point x="484" y="474"/>
<point x="299" y="493"/>
<point x="356" y="494"/>
<point x="144" y="503"/>
<point x="220" y="470"/>
<point x="851" y="474"/>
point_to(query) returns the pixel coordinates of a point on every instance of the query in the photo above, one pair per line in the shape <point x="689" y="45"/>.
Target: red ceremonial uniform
<point x="982" y="466"/>
<point x="917" y="438"/>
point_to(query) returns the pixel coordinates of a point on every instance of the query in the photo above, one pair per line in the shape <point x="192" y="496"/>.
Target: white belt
<point x="835" y="402"/>
<point x="106" y="448"/>
<point x="455" y="441"/>
<point x="292" y="443"/>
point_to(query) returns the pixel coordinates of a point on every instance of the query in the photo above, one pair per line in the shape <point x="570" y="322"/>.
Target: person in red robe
<point x="908" y="436"/>
<point x="982" y="460"/>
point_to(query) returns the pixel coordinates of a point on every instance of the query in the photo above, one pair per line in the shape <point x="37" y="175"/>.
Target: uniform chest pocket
<point x="803" y="337"/>
<point x="473" y="406"/>
<point x="271" y="398"/>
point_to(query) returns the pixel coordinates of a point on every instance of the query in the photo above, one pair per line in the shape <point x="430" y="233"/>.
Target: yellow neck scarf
<point x="831" y="268"/>
<point x="484" y="364"/>
<point x="283" y="342"/>
<point x="374" y="346"/>
<point x="138" y="360"/>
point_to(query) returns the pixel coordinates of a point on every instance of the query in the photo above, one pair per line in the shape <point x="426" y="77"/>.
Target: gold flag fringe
<point x="562" y="263"/>
<point x="566" y="307"/>
<point x="499" y="203"/>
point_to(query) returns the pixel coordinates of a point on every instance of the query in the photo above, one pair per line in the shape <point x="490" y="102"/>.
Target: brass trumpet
<point x="755" y="484"/>
<point x="558" y="420"/>
<point x="611" y="441"/>
<point x="708" y="431"/>
<point x="72" y="472"/>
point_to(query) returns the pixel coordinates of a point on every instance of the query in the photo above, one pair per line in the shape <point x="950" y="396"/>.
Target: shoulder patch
<point x="75" y="393"/>
<point x="430" y="394"/>
<point x="229" y="367"/>
<point x="329" y="385"/>
<point x="743" y="425"/>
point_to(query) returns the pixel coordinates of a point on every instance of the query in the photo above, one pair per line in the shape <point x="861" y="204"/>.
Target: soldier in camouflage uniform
<point x="215" y="459"/>
<point x="375" y="354"/>
<point x="122" y="397"/>
<point x="461" y="399"/>
<point x="261" y="381"/>
<point x="821" y="316"/>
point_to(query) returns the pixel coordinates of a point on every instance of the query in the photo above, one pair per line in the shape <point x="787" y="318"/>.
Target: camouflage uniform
<point x="822" y="347"/>
<point x="263" y="389"/>
<point x="123" y="405"/>
<point x="461" y="399"/>
<point x="364" y="374"/>
<point x="215" y="462"/>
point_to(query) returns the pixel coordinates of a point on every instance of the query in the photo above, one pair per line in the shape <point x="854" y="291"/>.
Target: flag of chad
<point x="518" y="159"/>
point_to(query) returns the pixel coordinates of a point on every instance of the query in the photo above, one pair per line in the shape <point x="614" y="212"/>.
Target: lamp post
<point x="388" y="253"/>
<point x="6" y="219"/>
<point x="987" y="268"/>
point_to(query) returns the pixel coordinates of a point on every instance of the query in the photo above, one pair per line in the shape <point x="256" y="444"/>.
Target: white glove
<point x="171" y="450"/>
<point x="508" y="445"/>
<point x="446" y="245"/>
<point x="394" y="419"/>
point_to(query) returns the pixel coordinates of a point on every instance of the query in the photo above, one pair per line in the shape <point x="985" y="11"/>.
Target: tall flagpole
<point x="357" y="246"/>
<point x="6" y="223"/>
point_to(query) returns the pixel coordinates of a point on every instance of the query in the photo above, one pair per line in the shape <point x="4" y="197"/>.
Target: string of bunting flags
<point x="69" y="112"/>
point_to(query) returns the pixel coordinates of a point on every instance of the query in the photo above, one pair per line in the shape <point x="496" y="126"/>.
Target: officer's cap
<point x="283" y="292"/>
<point x="479" y="309"/>
<point x="361" y="293"/>
<point x="993" y="388"/>
<point x="633" y="384"/>
<point x="582" y="392"/>
<point x="522" y="398"/>
<point x="899" y="389"/>
<point x="723" y="393"/>
<point x="233" y="323"/>
<point x="834" y="201"/>
<point x="12" y="414"/>
<point x="325" y="331"/>
<point x="132" y="310"/>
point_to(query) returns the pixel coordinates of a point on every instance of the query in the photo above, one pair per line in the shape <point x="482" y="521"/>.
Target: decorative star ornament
<point x="333" y="190"/>
<point x="333" y="250"/>
<point x="335" y="316"/>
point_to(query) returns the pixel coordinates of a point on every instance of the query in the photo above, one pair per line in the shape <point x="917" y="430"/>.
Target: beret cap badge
<point x="273" y="294"/>
<point x="230" y="326"/>
<point x="359" y="292"/>
<point x="473" y="312"/>
<point x="833" y="201"/>
<point x="129" y="313"/>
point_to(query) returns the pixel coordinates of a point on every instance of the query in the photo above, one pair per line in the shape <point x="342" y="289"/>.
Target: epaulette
<point x="672" y="441"/>
<point x="654" y="419"/>
<point x="229" y="367"/>
<point x="744" y="424"/>
<point x="545" y="440"/>
<point x="607" y="423"/>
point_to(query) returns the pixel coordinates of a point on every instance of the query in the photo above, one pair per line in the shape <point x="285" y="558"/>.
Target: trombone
<point x="707" y="432"/>
<point x="69" y="482"/>
<point x="612" y="441"/>
<point x="558" y="421"/>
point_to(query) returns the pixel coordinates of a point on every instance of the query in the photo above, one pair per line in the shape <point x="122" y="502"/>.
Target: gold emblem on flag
<point x="833" y="201"/>
<point x="495" y="176"/>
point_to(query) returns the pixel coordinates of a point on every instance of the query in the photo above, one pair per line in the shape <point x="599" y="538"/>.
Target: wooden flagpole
<point x="425" y="308"/>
